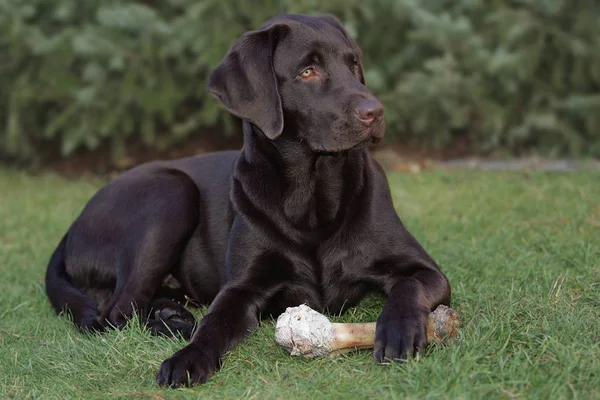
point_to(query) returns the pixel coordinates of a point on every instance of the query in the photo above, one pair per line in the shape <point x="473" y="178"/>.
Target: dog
<point x="301" y="214"/>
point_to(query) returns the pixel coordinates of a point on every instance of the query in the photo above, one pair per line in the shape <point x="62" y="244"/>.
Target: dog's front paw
<point x="400" y="335"/>
<point x="188" y="367"/>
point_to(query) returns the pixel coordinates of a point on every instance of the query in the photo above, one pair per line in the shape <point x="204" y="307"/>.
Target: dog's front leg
<point x="233" y="315"/>
<point x="413" y="292"/>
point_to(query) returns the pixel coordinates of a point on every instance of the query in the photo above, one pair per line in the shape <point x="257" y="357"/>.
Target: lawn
<point x="521" y="250"/>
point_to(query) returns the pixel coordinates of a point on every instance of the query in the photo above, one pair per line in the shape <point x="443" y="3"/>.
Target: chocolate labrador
<point x="302" y="214"/>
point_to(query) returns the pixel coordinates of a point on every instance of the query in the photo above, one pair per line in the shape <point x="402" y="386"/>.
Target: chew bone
<point x="303" y="331"/>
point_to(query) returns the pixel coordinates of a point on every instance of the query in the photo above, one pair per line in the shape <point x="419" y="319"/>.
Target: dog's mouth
<point x="366" y="143"/>
<point x="363" y="144"/>
<point x="370" y="135"/>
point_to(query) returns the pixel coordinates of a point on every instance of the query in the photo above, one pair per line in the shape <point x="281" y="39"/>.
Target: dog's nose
<point x="368" y="110"/>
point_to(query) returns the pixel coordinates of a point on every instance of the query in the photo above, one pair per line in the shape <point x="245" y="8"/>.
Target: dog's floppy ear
<point x="245" y="81"/>
<point x="332" y="20"/>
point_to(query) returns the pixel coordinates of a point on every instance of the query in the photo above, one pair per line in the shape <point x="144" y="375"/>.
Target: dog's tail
<point x="64" y="296"/>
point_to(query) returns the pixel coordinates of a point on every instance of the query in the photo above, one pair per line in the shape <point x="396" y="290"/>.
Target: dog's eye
<point x="308" y="73"/>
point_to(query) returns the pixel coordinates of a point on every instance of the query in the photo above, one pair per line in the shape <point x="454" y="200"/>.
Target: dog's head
<point x="300" y="76"/>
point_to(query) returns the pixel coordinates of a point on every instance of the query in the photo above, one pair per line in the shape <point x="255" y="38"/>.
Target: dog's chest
<point x="324" y="287"/>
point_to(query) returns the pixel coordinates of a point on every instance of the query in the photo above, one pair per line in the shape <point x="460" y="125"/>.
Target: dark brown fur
<point x="302" y="214"/>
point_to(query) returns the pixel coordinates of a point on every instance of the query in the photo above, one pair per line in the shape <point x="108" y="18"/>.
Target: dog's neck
<point x="307" y="188"/>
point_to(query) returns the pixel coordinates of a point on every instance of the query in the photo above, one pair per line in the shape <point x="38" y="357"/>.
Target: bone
<point x="303" y="331"/>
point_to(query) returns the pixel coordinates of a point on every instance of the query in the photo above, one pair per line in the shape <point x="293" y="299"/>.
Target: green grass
<point x="521" y="250"/>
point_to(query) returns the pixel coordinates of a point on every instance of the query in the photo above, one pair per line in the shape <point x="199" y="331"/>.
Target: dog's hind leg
<point x="167" y="216"/>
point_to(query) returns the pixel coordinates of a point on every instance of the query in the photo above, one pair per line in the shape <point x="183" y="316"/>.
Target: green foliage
<point x="508" y="75"/>
<point x="79" y="73"/>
